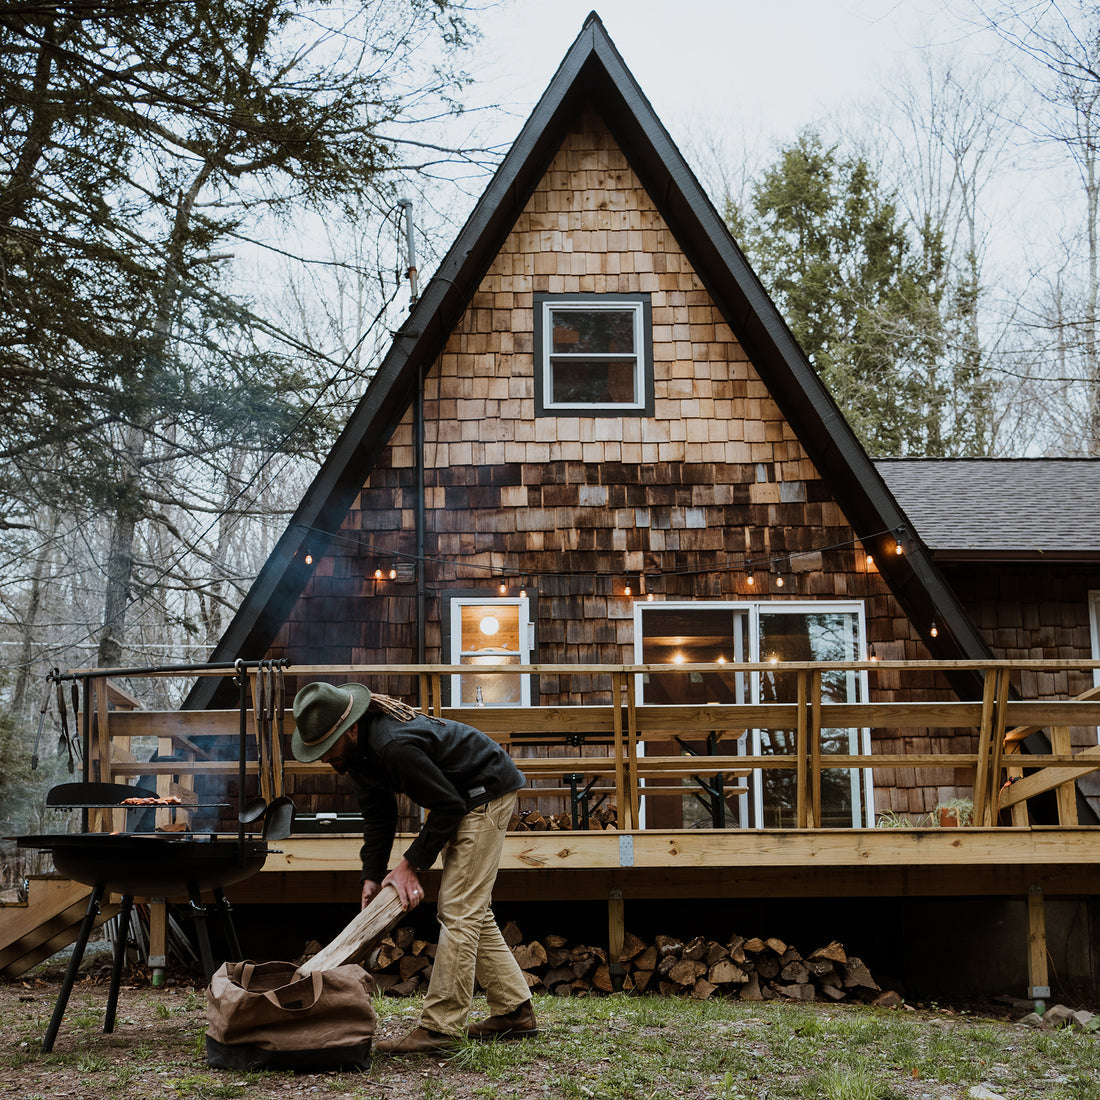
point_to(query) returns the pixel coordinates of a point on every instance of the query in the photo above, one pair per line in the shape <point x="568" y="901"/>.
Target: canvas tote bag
<point x="259" y="1016"/>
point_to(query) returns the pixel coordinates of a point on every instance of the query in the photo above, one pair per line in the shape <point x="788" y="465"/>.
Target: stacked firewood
<point x="600" y="819"/>
<point x="752" y="969"/>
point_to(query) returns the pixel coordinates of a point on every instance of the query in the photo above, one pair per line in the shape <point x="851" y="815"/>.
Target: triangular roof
<point x="593" y="73"/>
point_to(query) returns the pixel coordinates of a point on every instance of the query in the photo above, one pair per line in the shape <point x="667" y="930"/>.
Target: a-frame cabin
<point x="594" y="441"/>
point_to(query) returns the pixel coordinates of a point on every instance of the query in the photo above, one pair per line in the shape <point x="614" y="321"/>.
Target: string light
<point x="935" y="630"/>
<point x="773" y="565"/>
<point x="871" y="655"/>
<point x="649" y="597"/>
<point x="393" y="573"/>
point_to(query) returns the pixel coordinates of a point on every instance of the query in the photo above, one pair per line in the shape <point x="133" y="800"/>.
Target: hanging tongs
<point x="42" y="709"/>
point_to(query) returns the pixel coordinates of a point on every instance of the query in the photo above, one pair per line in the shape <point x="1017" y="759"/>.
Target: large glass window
<point x="735" y="633"/>
<point x="490" y="631"/>
<point x="593" y="354"/>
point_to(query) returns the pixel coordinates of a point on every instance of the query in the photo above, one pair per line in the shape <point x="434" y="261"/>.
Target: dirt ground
<point x="610" y="1048"/>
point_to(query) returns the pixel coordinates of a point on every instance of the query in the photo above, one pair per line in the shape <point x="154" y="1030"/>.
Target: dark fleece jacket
<point x="446" y="767"/>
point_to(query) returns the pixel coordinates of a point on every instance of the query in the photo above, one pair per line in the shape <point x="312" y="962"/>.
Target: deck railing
<point x="603" y="747"/>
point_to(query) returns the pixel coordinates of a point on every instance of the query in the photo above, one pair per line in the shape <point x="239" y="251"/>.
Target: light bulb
<point x="626" y="590"/>
<point x="309" y="559"/>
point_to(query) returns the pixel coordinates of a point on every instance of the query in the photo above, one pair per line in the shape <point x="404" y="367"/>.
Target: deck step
<point x="49" y="920"/>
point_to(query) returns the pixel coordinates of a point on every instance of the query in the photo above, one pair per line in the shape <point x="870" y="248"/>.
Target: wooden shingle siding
<point x="573" y="507"/>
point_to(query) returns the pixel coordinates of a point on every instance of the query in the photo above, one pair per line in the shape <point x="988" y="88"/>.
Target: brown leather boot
<point x="418" y="1041"/>
<point x="517" y="1024"/>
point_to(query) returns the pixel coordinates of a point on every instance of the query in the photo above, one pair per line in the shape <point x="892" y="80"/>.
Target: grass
<point x="610" y="1048"/>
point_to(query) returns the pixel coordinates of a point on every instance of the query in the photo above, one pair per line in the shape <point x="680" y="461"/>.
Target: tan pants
<point x="470" y="942"/>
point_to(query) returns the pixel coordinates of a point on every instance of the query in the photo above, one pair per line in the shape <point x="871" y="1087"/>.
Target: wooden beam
<point x="1051" y="777"/>
<point x="1065" y="793"/>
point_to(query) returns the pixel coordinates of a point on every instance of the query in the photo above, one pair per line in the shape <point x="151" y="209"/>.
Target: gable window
<point x="593" y="355"/>
<point x="490" y="631"/>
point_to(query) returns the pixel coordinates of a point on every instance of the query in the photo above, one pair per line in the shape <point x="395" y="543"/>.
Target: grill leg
<point x="198" y="912"/>
<point x="226" y="911"/>
<point x="120" y="958"/>
<point x="86" y="927"/>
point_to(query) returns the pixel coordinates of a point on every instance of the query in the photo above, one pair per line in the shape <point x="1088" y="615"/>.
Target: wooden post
<point x="801" y="734"/>
<point x="1066" y="793"/>
<point x="1038" y="981"/>
<point x="616" y="934"/>
<point x="104" y="820"/>
<point x="996" y="747"/>
<point x="815" y="749"/>
<point x="634" y="820"/>
<point x="617" y="679"/>
<point x="158" y="939"/>
<point x="985" y="732"/>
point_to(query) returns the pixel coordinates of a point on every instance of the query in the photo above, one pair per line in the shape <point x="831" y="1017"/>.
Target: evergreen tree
<point x="865" y="295"/>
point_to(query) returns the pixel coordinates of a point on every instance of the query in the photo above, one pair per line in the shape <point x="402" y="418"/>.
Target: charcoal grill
<point x="144" y="864"/>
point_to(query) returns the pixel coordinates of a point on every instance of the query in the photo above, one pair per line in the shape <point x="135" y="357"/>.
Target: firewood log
<point x="632" y="947"/>
<point x="726" y="971"/>
<point x="834" y="952"/>
<point x="703" y="990"/>
<point x="716" y="953"/>
<point x="687" y="971"/>
<point x="530" y="955"/>
<point x="360" y="935"/>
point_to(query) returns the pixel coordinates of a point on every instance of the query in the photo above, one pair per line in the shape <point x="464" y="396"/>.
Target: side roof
<point x="594" y="73"/>
<point x="969" y="509"/>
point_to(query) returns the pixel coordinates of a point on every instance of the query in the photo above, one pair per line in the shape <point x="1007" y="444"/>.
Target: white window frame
<point x="636" y="304"/>
<point x="526" y="641"/>
<point x="861" y="737"/>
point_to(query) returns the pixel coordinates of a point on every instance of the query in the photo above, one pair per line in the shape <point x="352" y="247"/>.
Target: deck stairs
<point x="49" y="920"/>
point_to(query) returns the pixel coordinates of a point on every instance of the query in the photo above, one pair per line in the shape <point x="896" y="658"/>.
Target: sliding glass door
<point x="769" y="633"/>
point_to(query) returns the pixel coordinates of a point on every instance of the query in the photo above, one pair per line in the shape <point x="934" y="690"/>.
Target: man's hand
<point x="404" y="880"/>
<point x="370" y="888"/>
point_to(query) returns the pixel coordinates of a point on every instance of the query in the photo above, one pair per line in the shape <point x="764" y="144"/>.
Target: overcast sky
<point x="760" y="67"/>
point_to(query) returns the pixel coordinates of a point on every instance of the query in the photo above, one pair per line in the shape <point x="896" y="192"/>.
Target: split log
<point x="360" y="935"/>
<point x="726" y="972"/>
<point x="530" y="956"/>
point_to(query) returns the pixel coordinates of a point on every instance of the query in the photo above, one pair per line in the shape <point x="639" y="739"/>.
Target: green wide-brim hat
<point x="323" y="713"/>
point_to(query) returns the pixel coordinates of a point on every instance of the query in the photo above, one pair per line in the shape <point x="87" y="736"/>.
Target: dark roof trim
<point x="593" y="72"/>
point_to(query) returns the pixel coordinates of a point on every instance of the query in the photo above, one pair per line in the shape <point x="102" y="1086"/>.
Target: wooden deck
<point x="618" y="746"/>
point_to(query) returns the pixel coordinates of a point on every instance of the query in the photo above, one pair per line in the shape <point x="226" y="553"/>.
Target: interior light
<point x="773" y="659"/>
<point x="678" y="658"/>
<point x="721" y="659"/>
<point x="489" y="625"/>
